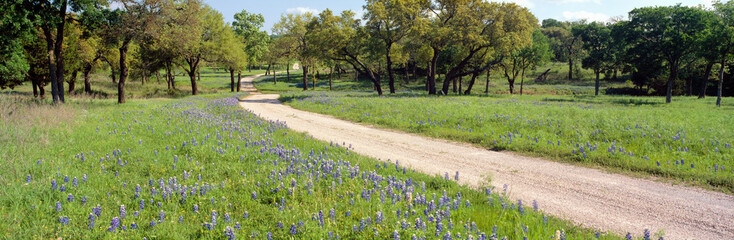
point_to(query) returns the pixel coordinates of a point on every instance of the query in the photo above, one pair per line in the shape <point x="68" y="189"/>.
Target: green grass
<point x="686" y="141"/>
<point x="208" y="142"/>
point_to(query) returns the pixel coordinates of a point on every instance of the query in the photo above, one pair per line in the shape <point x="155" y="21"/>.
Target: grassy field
<point x="200" y="167"/>
<point x="688" y="141"/>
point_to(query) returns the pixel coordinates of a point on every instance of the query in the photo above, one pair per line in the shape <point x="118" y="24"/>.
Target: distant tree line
<point x="667" y="50"/>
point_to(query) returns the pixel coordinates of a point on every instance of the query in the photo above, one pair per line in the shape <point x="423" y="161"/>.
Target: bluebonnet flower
<point x="270" y="236"/>
<point x="161" y="216"/>
<point x="75" y="182"/>
<point x="247" y="214"/>
<point x="254" y="195"/>
<point x="152" y="223"/>
<point x="646" y="234"/>
<point x="214" y="217"/>
<point x="53" y="184"/>
<point x="133" y="226"/>
<point x="70" y="198"/>
<point x="66" y="179"/>
<point x="64" y="220"/>
<point x="58" y="206"/>
<point x="92" y="219"/>
<point x="396" y="235"/>
<point x="293" y="229"/>
<point x="196" y="208"/>
<point x="84" y="178"/>
<point x="123" y="213"/>
<point x="114" y="224"/>
<point x="229" y="233"/>
<point x="97" y="210"/>
<point x="62" y="188"/>
<point x="28" y="178"/>
<point x="628" y="236"/>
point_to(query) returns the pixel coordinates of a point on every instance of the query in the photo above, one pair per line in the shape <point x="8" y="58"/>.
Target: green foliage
<point x="17" y="28"/>
<point x="247" y="25"/>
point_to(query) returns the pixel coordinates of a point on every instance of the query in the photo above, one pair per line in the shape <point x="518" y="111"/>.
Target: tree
<point x="248" y="25"/>
<point x="391" y="21"/>
<point x="205" y="44"/>
<point x="14" y="64"/>
<point x="233" y="55"/>
<point x="52" y="18"/>
<point x="724" y="34"/>
<point x="672" y="31"/>
<point x="293" y="31"/>
<point x="490" y="28"/>
<point x="597" y="42"/>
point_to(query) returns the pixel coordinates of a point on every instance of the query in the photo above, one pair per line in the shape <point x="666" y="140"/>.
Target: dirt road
<point x="588" y="197"/>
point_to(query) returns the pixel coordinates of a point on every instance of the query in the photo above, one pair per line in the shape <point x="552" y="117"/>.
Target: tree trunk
<point x="512" y="87"/>
<point x="59" y="50"/>
<point x="35" y="88"/>
<point x="288" y="72"/>
<point x="87" y="82"/>
<point x="275" y="77"/>
<point x="453" y="81"/>
<point x="522" y="80"/>
<point x="231" y="78"/>
<point x="596" y="85"/>
<point x="570" y="68"/>
<point x="407" y="77"/>
<point x="721" y="83"/>
<point x="671" y="79"/>
<point x="267" y="71"/>
<point x="331" y="72"/>
<point x="471" y="83"/>
<point x="428" y="74"/>
<point x="157" y="76"/>
<point x="486" y="87"/>
<point x="305" y="77"/>
<point x="461" y="79"/>
<point x="193" y="65"/>
<point x="432" y="74"/>
<point x="705" y="80"/>
<point x="390" y="76"/>
<point x="72" y="81"/>
<point x="123" y="71"/>
<point x="51" y="64"/>
<point x="239" y="80"/>
<point x="114" y="74"/>
<point x="313" y="79"/>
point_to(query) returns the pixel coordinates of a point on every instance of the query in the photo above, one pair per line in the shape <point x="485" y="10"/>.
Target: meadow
<point x="687" y="141"/>
<point x="201" y="167"/>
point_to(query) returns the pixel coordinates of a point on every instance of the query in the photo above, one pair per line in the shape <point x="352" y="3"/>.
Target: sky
<point x="592" y="10"/>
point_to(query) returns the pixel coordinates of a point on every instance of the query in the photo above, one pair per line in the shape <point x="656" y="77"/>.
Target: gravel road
<point x="588" y="197"/>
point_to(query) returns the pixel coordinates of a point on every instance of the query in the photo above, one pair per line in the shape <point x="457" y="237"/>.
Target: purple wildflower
<point x="114" y="224"/>
<point x="58" y="207"/>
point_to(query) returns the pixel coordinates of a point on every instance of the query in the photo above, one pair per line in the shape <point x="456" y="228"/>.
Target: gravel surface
<point x="588" y="197"/>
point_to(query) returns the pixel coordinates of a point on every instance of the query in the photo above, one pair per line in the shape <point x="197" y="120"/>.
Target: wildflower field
<point x="202" y="167"/>
<point x="688" y="141"/>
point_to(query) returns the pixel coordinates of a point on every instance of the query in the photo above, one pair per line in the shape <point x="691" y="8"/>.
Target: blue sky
<point x="599" y="10"/>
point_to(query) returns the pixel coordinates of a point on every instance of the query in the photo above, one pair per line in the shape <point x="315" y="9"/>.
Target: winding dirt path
<point x="588" y="197"/>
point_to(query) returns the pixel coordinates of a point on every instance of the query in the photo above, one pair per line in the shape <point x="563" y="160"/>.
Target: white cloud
<point x="573" y="1"/>
<point x="524" y="3"/>
<point x="589" y="16"/>
<point x="301" y="10"/>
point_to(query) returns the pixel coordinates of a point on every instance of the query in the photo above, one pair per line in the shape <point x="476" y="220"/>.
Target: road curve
<point x="588" y="197"/>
